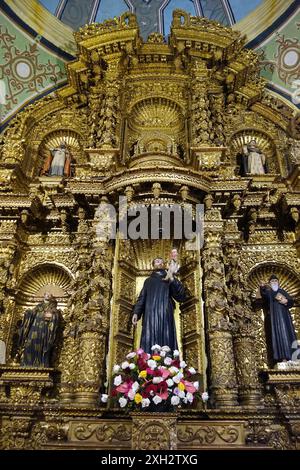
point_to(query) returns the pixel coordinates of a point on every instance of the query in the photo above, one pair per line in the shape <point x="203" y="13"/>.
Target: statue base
<point x="25" y="384"/>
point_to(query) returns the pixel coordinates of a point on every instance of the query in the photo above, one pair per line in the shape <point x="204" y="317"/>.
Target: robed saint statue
<point x="58" y="162"/>
<point x="278" y="303"/>
<point x="38" y="333"/>
<point x="155" y="305"/>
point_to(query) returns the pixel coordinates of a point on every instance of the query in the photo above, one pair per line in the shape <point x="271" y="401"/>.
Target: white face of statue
<point x="274" y="285"/>
<point x="47" y="296"/>
<point x="158" y="263"/>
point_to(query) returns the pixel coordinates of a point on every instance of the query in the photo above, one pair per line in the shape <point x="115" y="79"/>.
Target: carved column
<point x="200" y="121"/>
<point x="241" y="318"/>
<point x="8" y="270"/>
<point x="110" y="108"/>
<point x="79" y="292"/>
<point x="93" y="328"/>
<point x="222" y="364"/>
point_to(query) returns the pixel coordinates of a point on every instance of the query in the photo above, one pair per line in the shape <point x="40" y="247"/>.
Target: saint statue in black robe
<point x="156" y="305"/>
<point x="278" y="302"/>
<point x="38" y="333"/>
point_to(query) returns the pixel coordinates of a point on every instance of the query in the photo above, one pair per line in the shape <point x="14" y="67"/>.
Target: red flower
<point x="151" y="388"/>
<point x="142" y="364"/>
<point x="176" y="363"/>
<point x="157" y="373"/>
<point x="163" y="386"/>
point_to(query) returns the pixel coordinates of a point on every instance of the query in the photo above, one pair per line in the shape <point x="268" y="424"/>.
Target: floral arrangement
<point x="146" y="380"/>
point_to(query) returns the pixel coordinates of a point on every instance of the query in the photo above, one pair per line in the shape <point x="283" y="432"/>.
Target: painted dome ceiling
<point x="153" y="15"/>
<point x="37" y="40"/>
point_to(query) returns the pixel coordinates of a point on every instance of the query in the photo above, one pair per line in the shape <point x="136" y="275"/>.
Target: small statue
<point x="173" y="266"/>
<point x="59" y="162"/>
<point x="38" y="333"/>
<point x="254" y="160"/>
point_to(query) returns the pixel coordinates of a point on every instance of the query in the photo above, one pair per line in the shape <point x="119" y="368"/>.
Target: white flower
<point x="183" y="364"/>
<point x="156" y="347"/>
<point x="173" y="370"/>
<point x="157" y="399"/>
<point x="192" y="370"/>
<point x="204" y="396"/>
<point x="118" y="380"/>
<point x="104" y="398"/>
<point x="175" y="400"/>
<point x="166" y="348"/>
<point x="181" y="394"/>
<point x="157" y="380"/>
<point x="170" y="382"/>
<point x="131" y="355"/>
<point x="131" y="366"/>
<point x="196" y="385"/>
<point x="152" y="364"/>
<point x="145" y="402"/>
<point x="162" y="353"/>
<point x="131" y="394"/>
<point x="168" y="361"/>
<point x="125" y="365"/>
<point x="190" y="397"/>
<point x="116" y="369"/>
<point x="135" y="386"/>
<point x="178" y="377"/>
<point x="175" y="353"/>
<point x="123" y="402"/>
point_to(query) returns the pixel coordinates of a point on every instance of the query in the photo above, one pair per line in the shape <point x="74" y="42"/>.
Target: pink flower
<point x="165" y="373"/>
<point x="164" y="395"/>
<point x="189" y="386"/>
<point x="124" y="387"/>
<point x="140" y="351"/>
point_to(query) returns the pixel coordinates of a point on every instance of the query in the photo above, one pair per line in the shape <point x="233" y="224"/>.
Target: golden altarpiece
<point x="159" y="123"/>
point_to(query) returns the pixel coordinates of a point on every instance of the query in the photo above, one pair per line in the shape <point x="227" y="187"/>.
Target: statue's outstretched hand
<point x="134" y="319"/>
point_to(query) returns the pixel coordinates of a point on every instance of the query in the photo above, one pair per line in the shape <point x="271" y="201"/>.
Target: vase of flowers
<point x="160" y="381"/>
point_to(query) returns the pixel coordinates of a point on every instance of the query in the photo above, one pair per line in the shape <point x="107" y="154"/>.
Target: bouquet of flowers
<point x="147" y="380"/>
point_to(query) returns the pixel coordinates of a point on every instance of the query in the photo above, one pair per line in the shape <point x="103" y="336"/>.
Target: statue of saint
<point x="254" y="160"/>
<point x="59" y="162"/>
<point x="38" y="333"/>
<point x="156" y="305"/>
<point x="278" y="302"/>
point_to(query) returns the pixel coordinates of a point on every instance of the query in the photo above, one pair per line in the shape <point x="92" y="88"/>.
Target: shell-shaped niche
<point x="54" y="139"/>
<point x="157" y="113"/>
<point x="44" y="278"/>
<point x="288" y="280"/>
<point x="263" y="141"/>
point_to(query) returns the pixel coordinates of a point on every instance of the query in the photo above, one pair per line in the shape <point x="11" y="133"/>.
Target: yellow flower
<point x="156" y="358"/>
<point x="138" y="398"/>
<point x="143" y="374"/>
<point x="181" y="386"/>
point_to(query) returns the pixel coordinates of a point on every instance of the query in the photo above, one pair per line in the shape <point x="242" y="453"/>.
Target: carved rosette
<point x="151" y="432"/>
